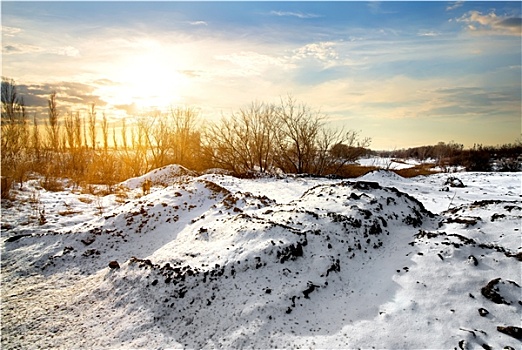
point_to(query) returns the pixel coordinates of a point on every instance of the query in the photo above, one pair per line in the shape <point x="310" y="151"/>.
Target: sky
<point x="404" y="74"/>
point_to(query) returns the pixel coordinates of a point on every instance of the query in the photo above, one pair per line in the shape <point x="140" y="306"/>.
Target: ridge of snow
<point x="163" y="176"/>
<point x="219" y="262"/>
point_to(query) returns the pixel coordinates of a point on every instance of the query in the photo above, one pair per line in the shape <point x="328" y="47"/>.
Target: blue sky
<point x="404" y="73"/>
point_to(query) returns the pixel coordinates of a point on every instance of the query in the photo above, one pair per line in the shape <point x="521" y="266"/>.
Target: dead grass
<point x="68" y="212"/>
<point x="85" y="200"/>
<point x="6" y="187"/>
<point x="121" y="195"/>
<point x="52" y="184"/>
<point x="355" y="170"/>
<point x="418" y="170"/>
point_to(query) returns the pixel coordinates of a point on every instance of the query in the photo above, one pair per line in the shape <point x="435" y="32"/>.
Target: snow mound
<point x="381" y="176"/>
<point x="218" y="171"/>
<point x="240" y="267"/>
<point x="205" y="265"/>
<point x="163" y="176"/>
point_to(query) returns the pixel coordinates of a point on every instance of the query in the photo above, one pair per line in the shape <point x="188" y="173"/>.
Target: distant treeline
<point x="507" y="157"/>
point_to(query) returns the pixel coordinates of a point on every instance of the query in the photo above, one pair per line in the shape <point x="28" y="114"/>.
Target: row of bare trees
<point x="288" y="136"/>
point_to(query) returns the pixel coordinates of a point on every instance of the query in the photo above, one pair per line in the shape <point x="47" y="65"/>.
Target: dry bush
<point x="52" y="184"/>
<point x="6" y="187"/>
<point x="122" y="194"/>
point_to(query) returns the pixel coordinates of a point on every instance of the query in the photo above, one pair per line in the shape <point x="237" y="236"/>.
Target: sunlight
<point x="148" y="80"/>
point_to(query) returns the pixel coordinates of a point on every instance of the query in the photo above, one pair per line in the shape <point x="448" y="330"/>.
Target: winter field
<point x="213" y="261"/>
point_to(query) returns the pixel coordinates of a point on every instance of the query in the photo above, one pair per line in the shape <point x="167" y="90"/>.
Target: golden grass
<point x="355" y="170"/>
<point x="418" y="170"/>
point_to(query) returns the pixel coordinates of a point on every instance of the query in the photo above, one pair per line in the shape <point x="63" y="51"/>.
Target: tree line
<point x="288" y="136"/>
<point x="506" y="157"/>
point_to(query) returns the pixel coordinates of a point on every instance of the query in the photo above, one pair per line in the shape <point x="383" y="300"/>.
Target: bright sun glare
<point x="148" y="81"/>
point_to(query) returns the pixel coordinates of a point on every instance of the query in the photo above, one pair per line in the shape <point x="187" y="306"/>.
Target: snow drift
<point x="204" y="264"/>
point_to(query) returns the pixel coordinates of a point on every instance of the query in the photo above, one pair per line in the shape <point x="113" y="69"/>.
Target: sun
<point x="149" y="80"/>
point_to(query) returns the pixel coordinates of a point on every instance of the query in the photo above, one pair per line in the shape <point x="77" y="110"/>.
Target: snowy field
<point x="390" y="163"/>
<point x="214" y="261"/>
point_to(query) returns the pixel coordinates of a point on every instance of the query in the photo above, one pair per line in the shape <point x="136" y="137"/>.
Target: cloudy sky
<point x="404" y="73"/>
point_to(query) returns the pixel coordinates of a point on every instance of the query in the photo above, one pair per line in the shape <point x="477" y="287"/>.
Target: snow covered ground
<point x="214" y="261"/>
<point x="390" y="163"/>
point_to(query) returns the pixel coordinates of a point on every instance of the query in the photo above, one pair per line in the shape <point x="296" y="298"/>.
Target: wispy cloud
<point x="430" y="33"/>
<point x="198" y="23"/>
<point x="491" y="23"/>
<point x="253" y="63"/>
<point x="191" y="73"/>
<point x="71" y="95"/>
<point x="377" y="8"/>
<point x="69" y="51"/>
<point x="20" y="49"/>
<point x="294" y="14"/>
<point x="10" y="31"/>
<point x="324" y="52"/>
<point x="454" y="5"/>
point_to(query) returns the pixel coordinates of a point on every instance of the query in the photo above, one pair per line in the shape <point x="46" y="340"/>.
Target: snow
<point x="161" y="176"/>
<point x="214" y="261"/>
<point x="390" y="163"/>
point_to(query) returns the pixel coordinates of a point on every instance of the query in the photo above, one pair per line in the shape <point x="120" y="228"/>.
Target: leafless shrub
<point x="52" y="184"/>
<point x="99" y="205"/>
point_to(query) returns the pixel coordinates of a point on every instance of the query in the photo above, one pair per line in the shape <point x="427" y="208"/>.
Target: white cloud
<point x="253" y="63"/>
<point x="376" y="8"/>
<point x="491" y="23"/>
<point x="322" y="51"/>
<point x="198" y="23"/>
<point x="10" y="31"/>
<point x="428" y="33"/>
<point x="69" y="51"/>
<point x="454" y="5"/>
<point x="294" y="14"/>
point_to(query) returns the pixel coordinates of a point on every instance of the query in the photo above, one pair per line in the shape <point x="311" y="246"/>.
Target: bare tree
<point x="260" y="125"/>
<point x="222" y="146"/>
<point x="53" y="123"/>
<point x="36" y="141"/>
<point x="144" y="143"/>
<point x="13" y="122"/>
<point x="92" y="125"/>
<point x="15" y="134"/>
<point x="105" y="133"/>
<point x="135" y="156"/>
<point x="114" y="139"/>
<point x="185" y="135"/>
<point x="158" y="138"/>
<point x="78" y="130"/>
<point x="244" y="141"/>
<point x="69" y="130"/>
<point x="346" y="149"/>
<point x="124" y="134"/>
<point x="297" y="135"/>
